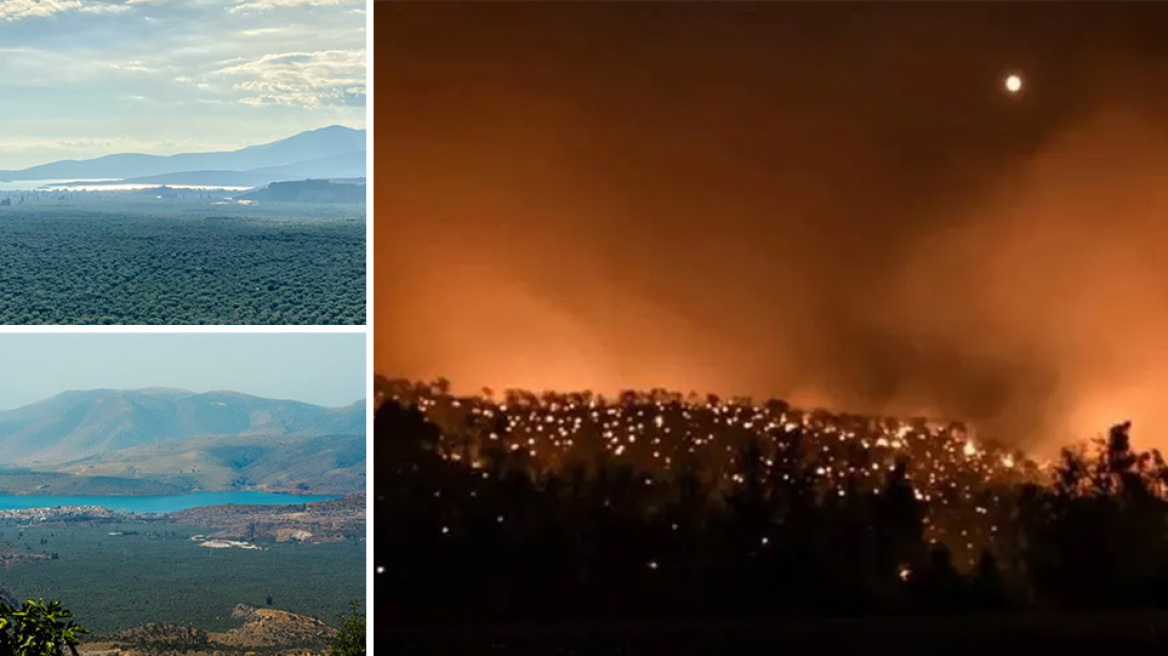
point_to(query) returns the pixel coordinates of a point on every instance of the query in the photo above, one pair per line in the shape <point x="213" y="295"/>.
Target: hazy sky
<point x="324" y="369"/>
<point x="832" y="202"/>
<point x="85" y="78"/>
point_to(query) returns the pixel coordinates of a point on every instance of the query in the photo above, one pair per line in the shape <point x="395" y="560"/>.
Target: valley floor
<point x="117" y="574"/>
<point x="182" y="262"/>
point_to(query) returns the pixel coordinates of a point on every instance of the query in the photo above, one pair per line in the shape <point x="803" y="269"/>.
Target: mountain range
<point x="326" y="463"/>
<point x="326" y="153"/>
<point x="173" y="437"/>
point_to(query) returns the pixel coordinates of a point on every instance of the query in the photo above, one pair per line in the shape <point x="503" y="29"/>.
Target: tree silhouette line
<point x="501" y="540"/>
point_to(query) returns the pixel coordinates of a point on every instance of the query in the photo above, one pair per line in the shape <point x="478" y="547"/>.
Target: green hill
<point x="332" y="464"/>
<point x="24" y="481"/>
<point x="78" y="424"/>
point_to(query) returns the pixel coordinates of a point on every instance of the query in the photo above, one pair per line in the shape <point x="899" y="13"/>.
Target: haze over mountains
<point x="327" y="153"/>
<point x="213" y="440"/>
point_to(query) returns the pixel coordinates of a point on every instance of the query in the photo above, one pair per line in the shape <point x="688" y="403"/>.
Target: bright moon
<point x="1013" y="83"/>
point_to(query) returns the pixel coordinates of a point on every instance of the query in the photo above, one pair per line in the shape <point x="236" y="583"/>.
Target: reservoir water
<point x="97" y="184"/>
<point x="160" y="504"/>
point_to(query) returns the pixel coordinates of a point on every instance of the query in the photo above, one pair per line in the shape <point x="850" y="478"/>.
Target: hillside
<point x="24" y="481"/>
<point x="311" y="523"/>
<point x="78" y="424"/>
<point x="305" y="147"/>
<point x="268" y="630"/>
<point x="346" y="165"/>
<point x="308" y="191"/>
<point x="328" y="464"/>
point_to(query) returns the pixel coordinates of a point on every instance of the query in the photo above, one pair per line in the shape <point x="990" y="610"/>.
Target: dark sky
<point x="836" y="203"/>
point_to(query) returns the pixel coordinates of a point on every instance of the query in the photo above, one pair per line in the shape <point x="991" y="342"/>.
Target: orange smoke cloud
<point x="564" y="202"/>
<point x="1063" y="264"/>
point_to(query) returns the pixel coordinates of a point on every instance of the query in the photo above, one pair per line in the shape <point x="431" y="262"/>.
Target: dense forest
<point x="180" y="263"/>
<point x="154" y="572"/>
<point x="486" y="535"/>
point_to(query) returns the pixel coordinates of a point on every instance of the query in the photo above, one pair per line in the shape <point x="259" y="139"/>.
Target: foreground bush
<point x="38" y="629"/>
<point x="350" y="639"/>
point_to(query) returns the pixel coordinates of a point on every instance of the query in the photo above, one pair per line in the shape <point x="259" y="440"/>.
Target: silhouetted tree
<point x="763" y="529"/>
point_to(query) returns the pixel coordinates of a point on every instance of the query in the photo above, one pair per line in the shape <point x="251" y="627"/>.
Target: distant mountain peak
<point x="82" y="423"/>
<point x="316" y="144"/>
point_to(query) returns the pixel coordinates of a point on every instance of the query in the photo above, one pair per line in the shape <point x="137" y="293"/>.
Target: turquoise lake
<point x="160" y="504"/>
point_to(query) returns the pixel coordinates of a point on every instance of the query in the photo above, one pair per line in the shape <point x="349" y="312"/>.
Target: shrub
<point x="350" y="639"/>
<point x="38" y="628"/>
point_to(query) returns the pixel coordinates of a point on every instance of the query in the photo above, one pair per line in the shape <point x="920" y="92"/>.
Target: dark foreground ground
<point x="1098" y="635"/>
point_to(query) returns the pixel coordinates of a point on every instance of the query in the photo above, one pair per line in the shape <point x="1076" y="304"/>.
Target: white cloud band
<point x="14" y="10"/>
<point x="308" y="79"/>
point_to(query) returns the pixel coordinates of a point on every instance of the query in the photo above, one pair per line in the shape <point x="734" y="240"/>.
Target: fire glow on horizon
<point x="684" y="221"/>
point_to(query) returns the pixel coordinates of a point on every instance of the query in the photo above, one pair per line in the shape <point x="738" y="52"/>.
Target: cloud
<point x="261" y="30"/>
<point x="267" y="5"/>
<point x="95" y="144"/>
<point x="135" y="66"/>
<point x="308" y="79"/>
<point x="105" y="8"/>
<point x="75" y="69"/>
<point x="14" y="10"/>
